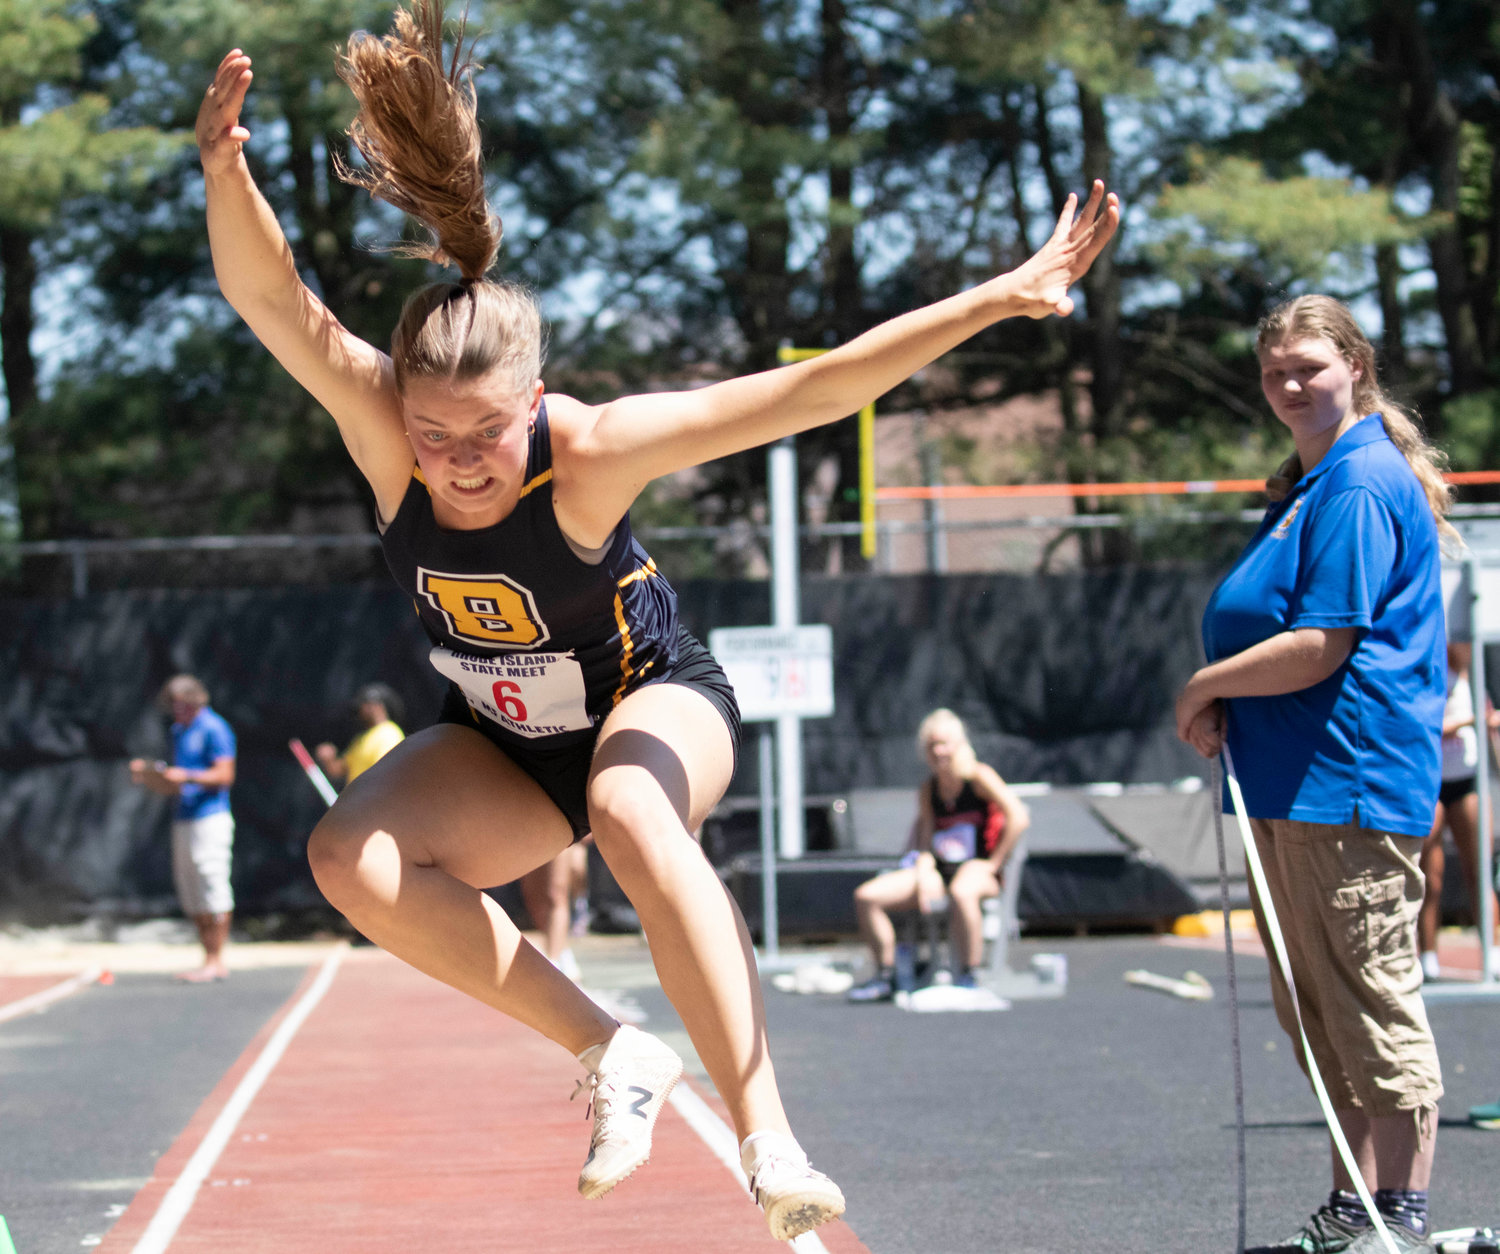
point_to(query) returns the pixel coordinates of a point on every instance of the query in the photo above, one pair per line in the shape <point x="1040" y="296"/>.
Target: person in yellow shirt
<point x="377" y="707"/>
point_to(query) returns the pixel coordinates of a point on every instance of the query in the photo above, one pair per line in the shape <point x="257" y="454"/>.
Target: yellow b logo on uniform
<point x="484" y="609"/>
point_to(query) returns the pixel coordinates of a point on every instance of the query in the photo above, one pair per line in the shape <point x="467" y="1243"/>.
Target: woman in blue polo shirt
<point x="1326" y="679"/>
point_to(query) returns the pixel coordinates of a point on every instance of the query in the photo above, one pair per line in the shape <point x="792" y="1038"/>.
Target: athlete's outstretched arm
<point x="630" y="441"/>
<point x="258" y="276"/>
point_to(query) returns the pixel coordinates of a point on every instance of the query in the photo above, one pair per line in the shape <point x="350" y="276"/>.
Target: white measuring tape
<point x="1278" y="946"/>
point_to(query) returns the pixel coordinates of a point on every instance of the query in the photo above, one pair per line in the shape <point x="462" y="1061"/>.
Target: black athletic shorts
<point x="947" y="870"/>
<point x="1451" y="790"/>
<point x="563" y="773"/>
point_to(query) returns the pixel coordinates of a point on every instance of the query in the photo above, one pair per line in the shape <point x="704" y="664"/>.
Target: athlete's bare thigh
<point x="452" y="799"/>
<point x="977" y="878"/>
<point x="676" y="736"/>
<point x="895" y="890"/>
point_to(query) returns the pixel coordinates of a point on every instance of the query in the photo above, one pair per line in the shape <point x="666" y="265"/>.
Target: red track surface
<point x="14" y="987"/>
<point x="404" y="1116"/>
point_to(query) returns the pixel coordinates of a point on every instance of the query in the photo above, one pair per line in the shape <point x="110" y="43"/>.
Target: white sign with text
<point x="777" y="670"/>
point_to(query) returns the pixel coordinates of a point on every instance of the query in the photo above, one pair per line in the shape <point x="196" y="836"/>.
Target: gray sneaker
<point x="629" y="1078"/>
<point x="1407" y="1241"/>
<point x="879" y="987"/>
<point x="1323" y="1233"/>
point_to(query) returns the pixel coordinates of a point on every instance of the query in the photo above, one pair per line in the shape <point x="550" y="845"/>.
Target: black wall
<point x="1063" y="678"/>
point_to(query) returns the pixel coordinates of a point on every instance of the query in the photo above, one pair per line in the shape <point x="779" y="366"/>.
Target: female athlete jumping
<point x="576" y="703"/>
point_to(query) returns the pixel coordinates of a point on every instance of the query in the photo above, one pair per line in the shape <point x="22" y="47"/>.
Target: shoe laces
<point x="600" y="1098"/>
<point x="773" y="1165"/>
<point x="603" y="1101"/>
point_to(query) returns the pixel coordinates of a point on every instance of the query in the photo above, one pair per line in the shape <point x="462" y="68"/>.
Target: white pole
<point x="770" y="924"/>
<point x="1485" y="886"/>
<point x="785" y="612"/>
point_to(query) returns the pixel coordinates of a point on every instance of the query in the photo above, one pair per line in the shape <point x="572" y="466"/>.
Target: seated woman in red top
<point x="968" y="821"/>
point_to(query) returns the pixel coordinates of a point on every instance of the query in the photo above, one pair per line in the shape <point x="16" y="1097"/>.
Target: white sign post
<point x="780" y="675"/>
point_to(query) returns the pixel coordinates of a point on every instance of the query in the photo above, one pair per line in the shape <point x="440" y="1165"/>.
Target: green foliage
<point x="1098" y="42"/>
<point x="69" y="152"/>
<point x="40" y="42"/>
<point x="1471" y="430"/>
<point x="690" y="182"/>
<point x="221" y="441"/>
<point x="1300" y="229"/>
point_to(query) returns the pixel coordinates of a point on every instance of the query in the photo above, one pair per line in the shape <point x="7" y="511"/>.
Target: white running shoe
<point x="796" y="1198"/>
<point x="1431" y="968"/>
<point x="629" y="1077"/>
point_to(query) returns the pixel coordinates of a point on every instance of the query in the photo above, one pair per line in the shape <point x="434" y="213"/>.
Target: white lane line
<point x="179" y="1198"/>
<point x="40" y="1001"/>
<point x="719" y="1138"/>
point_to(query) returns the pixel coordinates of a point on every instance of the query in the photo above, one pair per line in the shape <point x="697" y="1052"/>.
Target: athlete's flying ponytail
<point x="418" y="131"/>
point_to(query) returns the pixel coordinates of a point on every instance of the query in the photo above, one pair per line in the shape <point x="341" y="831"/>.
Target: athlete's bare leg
<point x="972" y="883"/>
<point x="873" y="902"/>
<point x="663" y="761"/>
<point x="213" y="932"/>
<point x="548" y="893"/>
<point x="1391" y="1151"/>
<point x="1433" y="861"/>
<point x="1463" y="820"/>
<point x="407" y="847"/>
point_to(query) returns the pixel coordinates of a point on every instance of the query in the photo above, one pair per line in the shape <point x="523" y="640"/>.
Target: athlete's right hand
<point x="218" y="129"/>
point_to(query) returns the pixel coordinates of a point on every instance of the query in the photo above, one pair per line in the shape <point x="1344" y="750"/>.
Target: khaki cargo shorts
<point x="202" y="852"/>
<point x="1347" y="899"/>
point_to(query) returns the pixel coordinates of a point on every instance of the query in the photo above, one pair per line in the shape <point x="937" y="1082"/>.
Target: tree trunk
<point x="1392" y="313"/>
<point x="842" y="297"/>
<point x="1433" y="124"/>
<point x="1489" y="284"/>
<point x="18" y="273"/>
<point x="1388" y="269"/>
<point x="842" y="280"/>
<point x="763" y="311"/>
<point x="1101" y="285"/>
<point x="1101" y="289"/>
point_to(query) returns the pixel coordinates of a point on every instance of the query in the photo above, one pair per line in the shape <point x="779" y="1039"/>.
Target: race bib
<point x="530" y="694"/>
<point x="956" y="843"/>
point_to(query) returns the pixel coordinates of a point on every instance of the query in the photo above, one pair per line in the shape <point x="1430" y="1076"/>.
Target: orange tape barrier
<point x="1184" y="487"/>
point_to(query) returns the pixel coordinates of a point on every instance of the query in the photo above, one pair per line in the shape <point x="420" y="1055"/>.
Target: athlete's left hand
<point x="1040" y="285"/>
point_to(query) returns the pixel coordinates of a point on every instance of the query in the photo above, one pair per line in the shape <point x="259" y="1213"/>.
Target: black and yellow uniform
<point x="968" y="827"/>
<point x="538" y="644"/>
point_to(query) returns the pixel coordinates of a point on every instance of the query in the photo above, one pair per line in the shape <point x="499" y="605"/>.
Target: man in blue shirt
<point x="198" y="780"/>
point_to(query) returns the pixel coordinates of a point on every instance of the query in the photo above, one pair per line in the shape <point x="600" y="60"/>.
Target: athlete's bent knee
<point x="633" y="830"/>
<point x="621" y="810"/>
<point x="333" y="853"/>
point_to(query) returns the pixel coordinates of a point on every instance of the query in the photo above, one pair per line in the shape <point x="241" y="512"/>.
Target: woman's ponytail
<point x="418" y="131"/>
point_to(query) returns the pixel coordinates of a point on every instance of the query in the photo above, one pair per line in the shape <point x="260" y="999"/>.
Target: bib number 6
<point x="510" y="704"/>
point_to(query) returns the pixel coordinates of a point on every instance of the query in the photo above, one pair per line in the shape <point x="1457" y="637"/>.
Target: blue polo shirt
<point x="197" y="746"/>
<point x="1353" y="544"/>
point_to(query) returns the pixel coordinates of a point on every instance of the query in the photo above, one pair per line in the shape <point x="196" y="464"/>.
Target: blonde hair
<point x="181" y="688"/>
<point x="1324" y="318"/>
<point x="418" y="132"/>
<point x="964" y="760"/>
